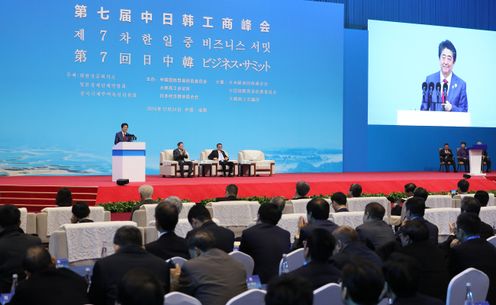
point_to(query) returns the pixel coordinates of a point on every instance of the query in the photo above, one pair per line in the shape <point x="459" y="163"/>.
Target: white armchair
<point x="257" y="159"/>
<point x="216" y="167"/>
<point x="170" y="168"/>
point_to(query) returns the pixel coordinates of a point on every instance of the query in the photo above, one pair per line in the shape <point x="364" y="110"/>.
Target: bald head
<point x="37" y="260"/>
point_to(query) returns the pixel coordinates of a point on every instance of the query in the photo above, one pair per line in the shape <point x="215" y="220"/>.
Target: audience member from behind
<point x="421" y="192"/>
<point x="280" y="202"/>
<point x="145" y="192"/>
<point x="64" y="197"/>
<point x="374" y="232"/>
<point x="168" y="244"/>
<point x="463" y="186"/>
<point x="408" y="189"/>
<point x="403" y="276"/>
<point x="415" y="210"/>
<point x="231" y="193"/>
<point x="289" y="290"/>
<point x="46" y="285"/>
<point x="363" y="284"/>
<point x="318" y="217"/>
<point x="302" y="189"/>
<point x="349" y="248"/>
<point x="434" y="275"/>
<point x="472" y="205"/>
<point x="211" y="275"/>
<point x="175" y="201"/>
<point x="80" y="212"/>
<point x="318" y="250"/>
<point x="140" y="287"/>
<point x="473" y="251"/>
<point x="355" y="190"/>
<point x="265" y="242"/>
<point x="13" y="246"/>
<point x="482" y="197"/>
<point x="338" y="201"/>
<point x="200" y="219"/>
<point x="129" y="254"/>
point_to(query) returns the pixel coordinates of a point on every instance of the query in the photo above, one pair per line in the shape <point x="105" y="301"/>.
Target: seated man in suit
<point x="302" y="189"/>
<point x="123" y="135"/>
<point x="223" y="158"/>
<point x="181" y="156"/>
<point x="80" y="212"/>
<point x="289" y="290"/>
<point x="404" y="276"/>
<point x="140" y="287"/>
<point x="455" y="98"/>
<point x="211" y="275"/>
<point x="374" y="232"/>
<point x="434" y="275"/>
<point x="355" y="190"/>
<point x="318" y="250"/>
<point x="487" y="160"/>
<point x="129" y="254"/>
<point x="482" y="197"/>
<point x="473" y="251"/>
<point x="363" y="284"/>
<point x="43" y="277"/>
<point x="415" y="210"/>
<point x="446" y="156"/>
<point x="462" y="155"/>
<point x="63" y="197"/>
<point x="318" y="217"/>
<point x="409" y="188"/>
<point x="349" y="248"/>
<point x="13" y="246"/>
<point x="200" y="219"/>
<point x="338" y="201"/>
<point x="168" y="244"/>
<point x="265" y="242"/>
<point x="145" y="192"/>
<point x="231" y="193"/>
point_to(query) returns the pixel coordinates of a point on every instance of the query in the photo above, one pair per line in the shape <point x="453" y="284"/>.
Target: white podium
<point x="129" y="161"/>
<point x="475" y="159"/>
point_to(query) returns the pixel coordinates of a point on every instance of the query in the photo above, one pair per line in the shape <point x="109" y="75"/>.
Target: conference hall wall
<point x="251" y="74"/>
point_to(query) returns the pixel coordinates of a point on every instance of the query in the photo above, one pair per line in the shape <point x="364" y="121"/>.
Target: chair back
<point x="179" y="298"/>
<point x="442" y="218"/>
<point x="457" y="286"/>
<point x="244" y="259"/>
<point x="249" y="297"/>
<point x="235" y="213"/>
<point x="167" y="155"/>
<point x="328" y="294"/>
<point x="250" y="155"/>
<point x="296" y="259"/>
<point x="352" y="219"/>
<point x="492" y="240"/>
<point x="204" y="154"/>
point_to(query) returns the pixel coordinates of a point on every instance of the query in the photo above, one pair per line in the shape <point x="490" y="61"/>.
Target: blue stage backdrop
<point x="257" y="74"/>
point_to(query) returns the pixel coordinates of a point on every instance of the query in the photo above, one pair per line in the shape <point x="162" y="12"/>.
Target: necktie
<point x="443" y="98"/>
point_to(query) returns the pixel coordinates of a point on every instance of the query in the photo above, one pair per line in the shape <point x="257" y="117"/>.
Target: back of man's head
<point x="269" y="213"/>
<point x="356" y="190"/>
<point x="375" y="211"/>
<point x="302" y="188"/>
<point x="289" y="290"/>
<point x="362" y="282"/>
<point x="402" y="273"/>
<point x="199" y="212"/>
<point x="140" y="287"/>
<point x="145" y="191"/>
<point x="174" y="200"/>
<point x="421" y="192"/>
<point x="36" y="260"/>
<point x="279" y="201"/>
<point x="345" y="234"/>
<point x="232" y="190"/>
<point x="166" y="217"/>
<point x="128" y="236"/>
<point x="64" y="197"/>
<point x="80" y="210"/>
<point x="320" y="244"/>
<point x="410" y="188"/>
<point x="463" y="185"/>
<point x="339" y="198"/>
<point x="416" y="230"/>
<point x="201" y="239"/>
<point x="416" y="206"/>
<point x="483" y="197"/>
<point x="318" y="208"/>
<point x="470" y="205"/>
<point x="9" y="216"/>
<point x="469" y="223"/>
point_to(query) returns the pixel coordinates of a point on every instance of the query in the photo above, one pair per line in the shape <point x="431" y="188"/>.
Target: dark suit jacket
<point x="84" y="220"/>
<point x="434" y="275"/>
<point x="168" y="246"/>
<point x="446" y="156"/>
<point x="433" y="230"/>
<point x="224" y="238"/>
<point x="486" y="230"/>
<point x="476" y="253"/>
<point x="319" y="274"/>
<point x="178" y="156"/>
<point x="108" y="271"/>
<point x="418" y="299"/>
<point x="215" y="155"/>
<point x="213" y="277"/>
<point x="266" y="244"/>
<point x="308" y="229"/>
<point x="13" y="246"/>
<point x="376" y="232"/>
<point x="229" y="198"/>
<point x="457" y="93"/>
<point x="52" y="287"/>
<point x="120" y="138"/>
<point x="342" y="210"/>
<point x="356" y="251"/>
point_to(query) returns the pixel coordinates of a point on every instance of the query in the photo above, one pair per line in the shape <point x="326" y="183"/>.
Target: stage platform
<point x="36" y="192"/>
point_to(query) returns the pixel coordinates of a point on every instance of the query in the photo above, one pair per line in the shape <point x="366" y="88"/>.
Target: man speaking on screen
<point x="451" y="91"/>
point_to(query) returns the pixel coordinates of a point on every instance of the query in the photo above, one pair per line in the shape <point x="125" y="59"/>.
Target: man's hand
<point x="301" y="222"/>
<point x="448" y="106"/>
<point x="175" y="273"/>
<point x="452" y="228"/>
<point x="455" y="242"/>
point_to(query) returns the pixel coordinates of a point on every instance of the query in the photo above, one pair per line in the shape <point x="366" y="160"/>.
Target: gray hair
<point x="174" y="200"/>
<point x="146" y="191"/>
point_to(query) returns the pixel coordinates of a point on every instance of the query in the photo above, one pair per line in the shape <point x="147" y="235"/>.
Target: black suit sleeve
<point x="97" y="288"/>
<point x="213" y="154"/>
<point x="177" y="155"/>
<point x="116" y="139"/>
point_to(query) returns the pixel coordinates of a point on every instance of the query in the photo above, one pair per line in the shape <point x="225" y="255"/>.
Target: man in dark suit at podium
<point x="223" y="158"/>
<point x="181" y="155"/>
<point x="123" y="136"/>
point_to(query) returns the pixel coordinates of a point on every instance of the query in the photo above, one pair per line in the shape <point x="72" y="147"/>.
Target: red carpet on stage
<point x="38" y="191"/>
